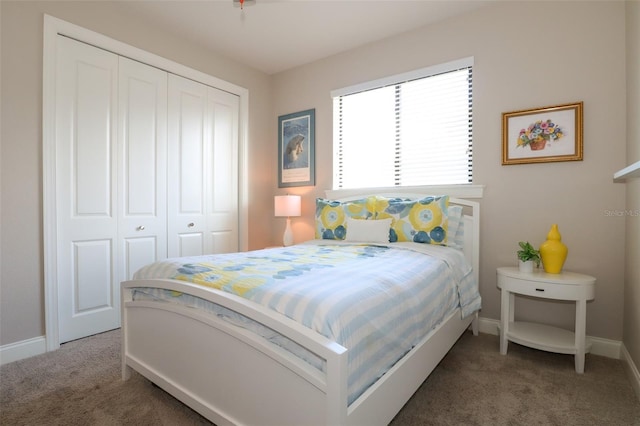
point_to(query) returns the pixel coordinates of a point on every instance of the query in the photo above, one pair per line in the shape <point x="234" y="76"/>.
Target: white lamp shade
<point x="287" y="205"/>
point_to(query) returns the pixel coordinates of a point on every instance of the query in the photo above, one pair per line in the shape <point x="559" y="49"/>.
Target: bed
<point x="237" y="359"/>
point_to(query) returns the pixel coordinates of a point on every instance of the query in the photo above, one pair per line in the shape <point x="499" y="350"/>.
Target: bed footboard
<point x="226" y="373"/>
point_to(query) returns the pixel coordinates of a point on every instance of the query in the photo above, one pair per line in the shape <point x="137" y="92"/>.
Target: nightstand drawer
<point x="541" y="289"/>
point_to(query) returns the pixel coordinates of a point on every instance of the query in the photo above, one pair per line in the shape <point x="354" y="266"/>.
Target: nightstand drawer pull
<point x="539" y="289"/>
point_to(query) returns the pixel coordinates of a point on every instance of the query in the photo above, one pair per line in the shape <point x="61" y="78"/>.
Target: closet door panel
<point x="190" y="244"/>
<point x="188" y="128"/>
<point x="86" y="124"/>
<point x="137" y="252"/>
<point x="142" y="150"/>
<point x="222" y="218"/>
<point x="223" y="242"/>
<point x="92" y="284"/>
<point x="92" y="144"/>
<point x="191" y="151"/>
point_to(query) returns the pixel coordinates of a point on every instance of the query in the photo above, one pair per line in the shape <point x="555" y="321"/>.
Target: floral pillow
<point x="421" y="221"/>
<point x="331" y="216"/>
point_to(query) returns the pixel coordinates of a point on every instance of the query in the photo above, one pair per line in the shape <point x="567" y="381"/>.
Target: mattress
<point x="378" y="301"/>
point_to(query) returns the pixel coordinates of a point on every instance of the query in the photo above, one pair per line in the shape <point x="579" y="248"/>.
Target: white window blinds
<point x="406" y="130"/>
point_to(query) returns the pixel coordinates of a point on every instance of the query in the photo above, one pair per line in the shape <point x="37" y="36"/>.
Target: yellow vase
<point x="553" y="252"/>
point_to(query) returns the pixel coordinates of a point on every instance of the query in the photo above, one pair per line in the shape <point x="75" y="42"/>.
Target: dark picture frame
<point x="296" y="149"/>
<point x="543" y="135"/>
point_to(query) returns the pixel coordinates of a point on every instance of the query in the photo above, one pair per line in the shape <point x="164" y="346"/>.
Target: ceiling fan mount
<point x="242" y="3"/>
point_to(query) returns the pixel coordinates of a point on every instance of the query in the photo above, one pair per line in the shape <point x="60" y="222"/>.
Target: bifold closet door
<point x="203" y="169"/>
<point x="111" y="144"/>
<point x="86" y="182"/>
<point x="142" y="166"/>
<point x="146" y="166"/>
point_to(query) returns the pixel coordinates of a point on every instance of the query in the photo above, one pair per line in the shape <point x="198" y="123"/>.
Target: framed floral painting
<point x="542" y="135"/>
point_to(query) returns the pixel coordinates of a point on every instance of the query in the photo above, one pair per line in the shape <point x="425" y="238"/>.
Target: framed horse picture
<point x="296" y="149"/>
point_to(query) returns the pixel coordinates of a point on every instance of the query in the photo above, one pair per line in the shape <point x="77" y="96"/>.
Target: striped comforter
<point x="378" y="301"/>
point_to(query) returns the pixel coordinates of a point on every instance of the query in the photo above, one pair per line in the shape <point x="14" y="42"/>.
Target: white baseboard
<point x="599" y="346"/>
<point x="23" y="349"/>
<point x="489" y="326"/>
<point x="605" y="347"/>
<point x="632" y="371"/>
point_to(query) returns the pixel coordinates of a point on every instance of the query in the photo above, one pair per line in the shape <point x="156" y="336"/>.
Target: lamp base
<point x="287" y="238"/>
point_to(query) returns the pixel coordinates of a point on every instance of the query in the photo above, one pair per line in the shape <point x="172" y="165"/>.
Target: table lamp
<point x="287" y="206"/>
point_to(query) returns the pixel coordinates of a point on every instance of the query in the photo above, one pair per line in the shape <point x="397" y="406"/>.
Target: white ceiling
<point x="276" y="35"/>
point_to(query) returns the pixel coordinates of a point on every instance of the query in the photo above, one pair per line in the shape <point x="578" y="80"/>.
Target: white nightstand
<point x="563" y="286"/>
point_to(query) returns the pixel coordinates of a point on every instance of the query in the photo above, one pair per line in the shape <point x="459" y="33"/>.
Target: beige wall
<point x="632" y="270"/>
<point x="21" y="265"/>
<point x="576" y="53"/>
<point x="517" y="66"/>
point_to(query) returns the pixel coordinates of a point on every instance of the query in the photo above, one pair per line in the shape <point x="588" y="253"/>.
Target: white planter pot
<point x="525" y="266"/>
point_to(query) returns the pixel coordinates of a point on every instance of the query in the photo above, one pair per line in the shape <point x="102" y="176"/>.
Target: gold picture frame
<point x="542" y="135"/>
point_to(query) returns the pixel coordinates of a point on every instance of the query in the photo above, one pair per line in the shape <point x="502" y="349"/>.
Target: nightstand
<point x="563" y="286"/>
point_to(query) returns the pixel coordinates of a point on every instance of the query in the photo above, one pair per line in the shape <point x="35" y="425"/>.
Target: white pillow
<point x="368" y="231"/>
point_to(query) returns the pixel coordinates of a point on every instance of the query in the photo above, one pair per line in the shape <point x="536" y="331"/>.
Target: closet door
<point x="187" y="166"/>
<point x="142" y="166"/>
<point x="222" y="180"/>
<point x="146" y="166"/>
<point x="203" y="169"/>
<point x="86" y="136"/>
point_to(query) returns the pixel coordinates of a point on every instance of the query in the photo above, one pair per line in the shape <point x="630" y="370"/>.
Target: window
<point x="407" y="130"/>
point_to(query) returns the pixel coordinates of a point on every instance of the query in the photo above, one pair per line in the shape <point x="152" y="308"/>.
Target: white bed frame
<point x="233" y="376"/>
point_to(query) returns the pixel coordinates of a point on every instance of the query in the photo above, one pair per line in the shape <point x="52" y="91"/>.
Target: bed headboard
<point x="471" y="212"/>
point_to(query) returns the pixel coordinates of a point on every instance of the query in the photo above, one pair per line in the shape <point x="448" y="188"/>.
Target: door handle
<point x="191" y="225"/>
<point x="140" y="228"/>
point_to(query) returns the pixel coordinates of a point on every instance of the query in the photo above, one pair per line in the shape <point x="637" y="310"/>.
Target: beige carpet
<point x="474" y="385"/>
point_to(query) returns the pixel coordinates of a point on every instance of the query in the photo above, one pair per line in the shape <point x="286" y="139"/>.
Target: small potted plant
<point x="528" y="255"/>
